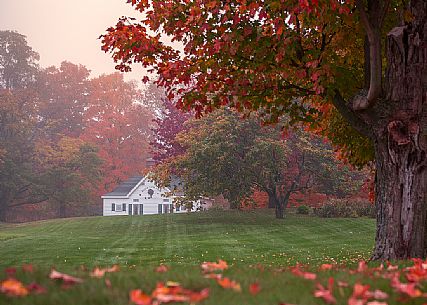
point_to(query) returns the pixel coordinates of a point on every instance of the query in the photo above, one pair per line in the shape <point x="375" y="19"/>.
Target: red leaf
<point x="162" y="268"/>
<point x="254" y="288"/>
<point x="28" y="268"/>
<point x="306" y="275"/>
<point x="36" y="288"/>
<point x="326" y="294"/>
<point x="10" y="271"/>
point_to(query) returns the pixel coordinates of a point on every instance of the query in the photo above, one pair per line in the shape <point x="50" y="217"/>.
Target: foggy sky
<point x="67" y="29"/>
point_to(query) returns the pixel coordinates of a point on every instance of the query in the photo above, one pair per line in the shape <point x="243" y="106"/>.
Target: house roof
<point x="125" y="187"/>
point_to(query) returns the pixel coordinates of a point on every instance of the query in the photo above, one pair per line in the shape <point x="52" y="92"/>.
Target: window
<point x="130" y="209"/>
<point x="124" y="207"/>
<point x="165" y="200"/>
<point x="118" y="207"/>
<point x="178" y="208"/>
<point x="159" y="210"/>
<point x="136" y="200"/>
<point x="113" y="207"/>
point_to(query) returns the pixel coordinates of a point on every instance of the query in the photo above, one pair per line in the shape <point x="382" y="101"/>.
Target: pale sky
<point x="67" y="29"/>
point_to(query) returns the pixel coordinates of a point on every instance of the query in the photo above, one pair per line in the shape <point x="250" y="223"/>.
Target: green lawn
<point x="257" y="247"/>
<point x="240" y="237"/>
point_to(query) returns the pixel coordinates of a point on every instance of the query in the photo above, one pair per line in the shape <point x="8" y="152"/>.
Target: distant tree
<point x="63" y="99"/>
<point x="119" y="126"/>
<point x="18" y="61"/>
<point x="169" y="123"/>
<point x="68" y="172"/>
<point x="17" y="138"/>
<point x="228" y="155"/>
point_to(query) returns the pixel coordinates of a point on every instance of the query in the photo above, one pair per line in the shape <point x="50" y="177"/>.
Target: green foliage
<point x="303" y="209"/>
<point x="230" y="156"/>
<point x="18" y="61"/>
<point x="347" y="208"/>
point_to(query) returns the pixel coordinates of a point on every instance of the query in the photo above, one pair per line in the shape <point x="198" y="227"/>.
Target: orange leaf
<point x="138" y="297"/>
<point x="212" y="266"/>
<point x="100" y="272"/>
<point x="229" y="284"/>
<point x="13" y="287"/>
<point x="254" y="288"/>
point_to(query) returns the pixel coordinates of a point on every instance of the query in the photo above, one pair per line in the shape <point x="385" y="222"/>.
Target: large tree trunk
<point x="280" y="210"/>
<point x="400" y="130"/>
<point x="400" y="200"/>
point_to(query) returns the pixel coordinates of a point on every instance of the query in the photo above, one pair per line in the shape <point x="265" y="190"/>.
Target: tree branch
<point x="350" y="116"/>
<point x="373" y="30"/>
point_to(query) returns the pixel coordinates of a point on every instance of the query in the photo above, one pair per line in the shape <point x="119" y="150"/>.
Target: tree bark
<point x="400" y="130"/>
<point x="400" y="200"/>
<point x="280" y="209"/>
<point x="271" y="201"/>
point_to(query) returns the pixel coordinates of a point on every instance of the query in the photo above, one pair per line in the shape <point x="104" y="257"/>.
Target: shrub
<point x="303" y="209"/>
<point x="348" y="208"/>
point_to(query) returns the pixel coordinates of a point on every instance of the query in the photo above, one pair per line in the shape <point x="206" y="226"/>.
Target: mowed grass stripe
<point x="239" y="237"/>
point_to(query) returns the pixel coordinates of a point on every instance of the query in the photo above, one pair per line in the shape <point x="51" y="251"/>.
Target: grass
<point x="258" y="247"/>
<point x="182" y="239"/>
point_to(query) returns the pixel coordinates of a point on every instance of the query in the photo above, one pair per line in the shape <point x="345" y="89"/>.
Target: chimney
<point x="150" y="162"/>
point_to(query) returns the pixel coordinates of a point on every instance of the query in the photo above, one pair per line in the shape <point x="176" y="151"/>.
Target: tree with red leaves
<point x="301" y="58"/>
<point x="120" y="126"/>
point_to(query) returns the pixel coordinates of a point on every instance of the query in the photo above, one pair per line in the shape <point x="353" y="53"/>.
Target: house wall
<point x="140" y="195"/>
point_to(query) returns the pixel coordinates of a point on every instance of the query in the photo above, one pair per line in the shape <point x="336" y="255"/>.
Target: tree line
<point x="65" y="138"/>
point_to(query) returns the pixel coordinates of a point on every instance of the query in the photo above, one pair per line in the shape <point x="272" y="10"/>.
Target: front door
<point x="130" y="209"/>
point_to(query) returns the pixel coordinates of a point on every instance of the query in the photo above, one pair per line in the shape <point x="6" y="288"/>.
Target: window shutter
<point x="124" y="207"/>
<point x="113" y="207"/>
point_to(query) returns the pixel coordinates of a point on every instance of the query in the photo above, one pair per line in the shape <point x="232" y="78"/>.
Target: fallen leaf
<point x="214" y="276"/>
<point x="326" y="294"/>
<point x="378" y="294"/>
<point x="325" y="267"/>
<point x="14" y="288"/>
<point x="28" y="268"/>
<point x="306" y="275"/>
<point x="196" y="297"/>
<point x="36" y="288"/>
<point x="212" y="266"/>
<point x="100" y="272"/>
<point x="254" y="288"/>
<point x="67" y="279"/>
<point x="229" y="284"/>
<point x="162" y="268"/>
<point x="10" y="271"/>
<point x="138" y="297"/>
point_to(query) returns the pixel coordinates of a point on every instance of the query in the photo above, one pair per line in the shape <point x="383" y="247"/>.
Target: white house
<point x="139" y="196"/>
